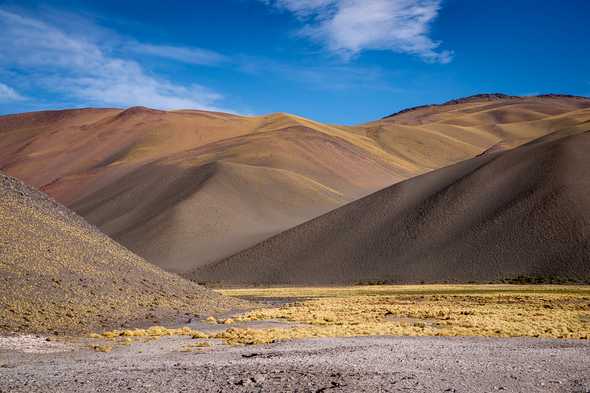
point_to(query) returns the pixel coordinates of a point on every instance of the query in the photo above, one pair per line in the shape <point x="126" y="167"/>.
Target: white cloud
<point x="7" y="94"/>
<point x="348" y="27"/>
<point x="82" y="69"/>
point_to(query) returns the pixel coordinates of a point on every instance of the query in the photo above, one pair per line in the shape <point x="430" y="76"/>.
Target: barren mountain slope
<point x="58" y="273"/>
<point x="522" y="212"/>
<point x="437" y="135"/>
<point x="187" y="188"/>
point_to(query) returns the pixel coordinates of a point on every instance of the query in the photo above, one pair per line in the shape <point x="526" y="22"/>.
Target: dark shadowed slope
<point x="523" y="212"/>
<point x="58" y="273"/>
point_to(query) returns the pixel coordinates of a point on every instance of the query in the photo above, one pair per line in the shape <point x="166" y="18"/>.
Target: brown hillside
<point x="58" y="273"/>
<point x="188" y="188"/>
<point x="438" y="135"/>
<point x="522" y="212"/>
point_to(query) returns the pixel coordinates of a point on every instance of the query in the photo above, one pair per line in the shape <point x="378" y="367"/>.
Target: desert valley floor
<point x="393" y="346"/>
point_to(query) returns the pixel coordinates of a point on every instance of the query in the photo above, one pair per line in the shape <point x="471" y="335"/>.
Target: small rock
<point x="258" y="378"/>
<point x="244" y="382"/>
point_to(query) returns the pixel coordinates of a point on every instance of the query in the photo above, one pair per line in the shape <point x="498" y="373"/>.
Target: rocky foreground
<point x="375" y="364"/>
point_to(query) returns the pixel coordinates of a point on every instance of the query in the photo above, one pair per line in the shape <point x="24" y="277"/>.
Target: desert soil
<point x="365" y="364"/>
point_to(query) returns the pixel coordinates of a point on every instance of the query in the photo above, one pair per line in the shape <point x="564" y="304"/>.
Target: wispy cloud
<point x="79" y="68"/>
<point x="195" y="56"/>
<point x="332" y="76"/>
<point x="348" y="27"/>
<point x="8" y="94"/>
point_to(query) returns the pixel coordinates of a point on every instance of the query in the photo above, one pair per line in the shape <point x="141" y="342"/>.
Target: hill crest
<point x="482" y="97"/>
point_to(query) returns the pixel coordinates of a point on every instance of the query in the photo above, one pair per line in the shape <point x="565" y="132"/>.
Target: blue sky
<point x="337" y="61"/>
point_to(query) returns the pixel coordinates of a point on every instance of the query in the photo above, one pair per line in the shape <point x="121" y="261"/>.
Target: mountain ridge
<point x="484" y="97"/>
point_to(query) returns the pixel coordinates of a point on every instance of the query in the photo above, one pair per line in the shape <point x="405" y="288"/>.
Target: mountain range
<point x="427" y="194"/>
<point x="186" y="189"/>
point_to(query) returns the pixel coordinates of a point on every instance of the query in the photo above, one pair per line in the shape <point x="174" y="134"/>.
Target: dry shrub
<point x="211" y="320"/>
<point x="152" y="332"/>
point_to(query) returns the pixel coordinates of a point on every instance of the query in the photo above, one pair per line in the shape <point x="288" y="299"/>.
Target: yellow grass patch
<point x="197" y="334"/>
<point x="154" y="332"/>
<point x="427" y="310"/>
<point x="195" y="346"/>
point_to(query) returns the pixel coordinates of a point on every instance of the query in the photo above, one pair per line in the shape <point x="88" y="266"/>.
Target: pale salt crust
<point x="32" y="344"/>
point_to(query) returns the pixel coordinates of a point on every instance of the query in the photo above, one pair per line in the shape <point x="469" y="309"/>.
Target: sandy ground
<point x="366" y="364"/>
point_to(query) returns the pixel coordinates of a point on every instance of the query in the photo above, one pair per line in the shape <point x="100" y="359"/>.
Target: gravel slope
<point x="60" y="274"/>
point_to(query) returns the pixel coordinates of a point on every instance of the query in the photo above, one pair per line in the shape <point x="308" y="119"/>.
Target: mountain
<point x="502" y="215"/>
<point x="59" y="273"/>
<point x="438" y="135"/>
<point x="188" y="188"/>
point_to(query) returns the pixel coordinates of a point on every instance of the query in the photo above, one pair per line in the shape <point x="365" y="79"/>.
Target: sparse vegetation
<point x="536" y="280"/>
<point x="211" y="320"/>
<point x="59" y="274"/>
<point x="195" y="346"/>
<point x="548" y="311"/>
<point x="431" y="310"/>
<point x="154" y="331"/>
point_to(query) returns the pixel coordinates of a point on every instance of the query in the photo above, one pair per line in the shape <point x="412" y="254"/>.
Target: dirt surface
<point x="524" y="212"/>
<point x="377" y="364"/>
